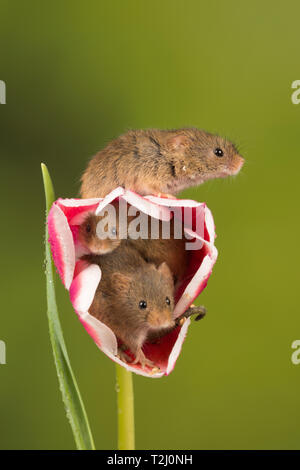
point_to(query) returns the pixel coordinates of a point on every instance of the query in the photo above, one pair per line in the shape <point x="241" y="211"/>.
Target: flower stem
<point x="70" y="392"/>
<point x="124" y="389"/>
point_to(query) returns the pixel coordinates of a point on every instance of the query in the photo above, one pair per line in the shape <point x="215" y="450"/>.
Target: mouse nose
<point x="238" y="162"/>
<point x="160" y="319"/>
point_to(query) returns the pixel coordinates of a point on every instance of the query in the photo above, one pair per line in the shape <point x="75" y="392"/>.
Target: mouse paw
<point x="200" y="311"/>
<point x="121" y="354"/>
<point x="141" y="358"/>
<point x="193" y="310"/>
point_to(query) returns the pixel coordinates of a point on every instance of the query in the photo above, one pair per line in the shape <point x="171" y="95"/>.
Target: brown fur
<point x="159" y="161"/>
<point x="169" y="250"/>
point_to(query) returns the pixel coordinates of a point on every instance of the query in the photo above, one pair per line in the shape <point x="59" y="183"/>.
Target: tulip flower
<point x="82" y="278"/>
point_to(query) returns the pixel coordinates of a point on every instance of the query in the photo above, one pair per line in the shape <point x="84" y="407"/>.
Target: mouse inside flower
<point x="134" y="298"/>
<point x="100" y="233"/>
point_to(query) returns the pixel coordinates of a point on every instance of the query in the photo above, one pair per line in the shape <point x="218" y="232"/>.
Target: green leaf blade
<point x="70" y="392"/>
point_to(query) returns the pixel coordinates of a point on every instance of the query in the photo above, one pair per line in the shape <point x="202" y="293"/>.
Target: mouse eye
<point x="88" y="228"/>
<point x="168" y="301"/>
<point x="143" y="304"/>
<point x="218" y="152"/>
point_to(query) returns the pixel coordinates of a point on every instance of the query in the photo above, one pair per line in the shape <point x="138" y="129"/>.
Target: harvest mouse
<point x="101" y="233"/>
<point x="134" y="298"/>
<point x="157" y="161"/>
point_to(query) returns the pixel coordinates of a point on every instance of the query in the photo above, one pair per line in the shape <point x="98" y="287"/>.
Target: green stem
<point x="126" y="439"/>
<point x="70" y="392"/>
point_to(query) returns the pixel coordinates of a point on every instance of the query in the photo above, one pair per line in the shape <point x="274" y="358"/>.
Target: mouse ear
<point x="120" y="281"/>
<point x="165" y="271"/>
<point x="177" y="142"/>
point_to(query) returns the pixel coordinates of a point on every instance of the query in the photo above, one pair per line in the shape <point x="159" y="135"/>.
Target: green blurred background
<point x="80" y="73"/>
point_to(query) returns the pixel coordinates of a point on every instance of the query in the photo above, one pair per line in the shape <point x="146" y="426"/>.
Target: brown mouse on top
<point x="157" y="161"/>
<point x="134" y="299"/>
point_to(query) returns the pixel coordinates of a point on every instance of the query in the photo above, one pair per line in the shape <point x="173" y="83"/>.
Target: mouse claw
<point x="121" y="354"/>
<point x="182" y="321"/>
<point x="200" y="316"/>
<point x="141" y="358"/>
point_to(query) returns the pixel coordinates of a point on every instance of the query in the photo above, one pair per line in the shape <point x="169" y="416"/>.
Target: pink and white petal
<point x="82" y="292"/>
<point x="150" y="208"/>
<point x="173" y="202"/>
<point x="201" y="264"/>
<point x="77" y="203"/>
<point x="79" y="218"/>
<point x="62" y="245"/>
<point x="109" y="198"/>
<point x="85" y="282"/>
<point x="177" y="346"/>
<point x="196" y="286"/>
<point x="73" y="207"/>
<point x="209" y="221"/>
